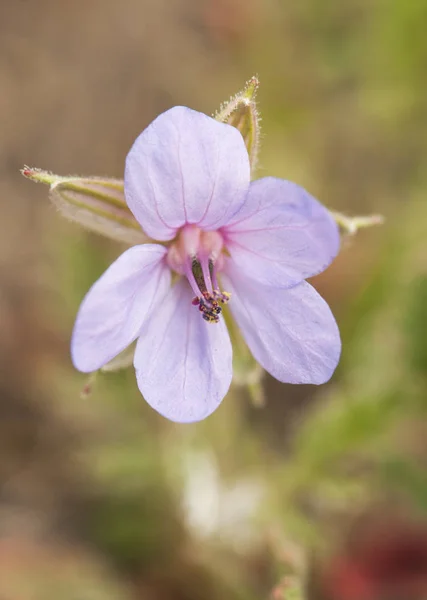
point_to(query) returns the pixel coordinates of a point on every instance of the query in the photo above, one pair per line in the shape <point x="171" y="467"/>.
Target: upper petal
<point x="115" y="308"/>
<point x="186" y="168"/>
<point x="183" y="364"/>
<point x="291" y="332"/>
<point x="282" y="235"/>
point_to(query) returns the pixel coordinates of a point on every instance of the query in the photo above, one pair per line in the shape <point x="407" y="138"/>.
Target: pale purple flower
<point x="217" y="239"/>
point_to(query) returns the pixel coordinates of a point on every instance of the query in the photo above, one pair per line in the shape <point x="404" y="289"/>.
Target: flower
<point x="217" y="239"/>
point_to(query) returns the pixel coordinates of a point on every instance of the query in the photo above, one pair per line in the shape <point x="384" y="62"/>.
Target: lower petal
<point x="183" y="364"/>
<point x="291" y="332"/>
<point x="115" y="308"/>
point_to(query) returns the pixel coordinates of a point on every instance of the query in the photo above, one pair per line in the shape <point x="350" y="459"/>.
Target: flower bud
<point x="351" y="225"/>
<point x="241" y="112"/>
<point x="96" y="203"/>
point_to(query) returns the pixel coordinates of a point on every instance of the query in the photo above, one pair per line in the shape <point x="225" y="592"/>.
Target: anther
<point x="209" y="304"/>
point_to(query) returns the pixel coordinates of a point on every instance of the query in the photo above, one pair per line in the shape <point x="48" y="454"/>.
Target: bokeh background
<point x="101" y="498"/>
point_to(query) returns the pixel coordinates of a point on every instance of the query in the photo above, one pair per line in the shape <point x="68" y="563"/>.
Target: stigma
<point x="197" y="255"/>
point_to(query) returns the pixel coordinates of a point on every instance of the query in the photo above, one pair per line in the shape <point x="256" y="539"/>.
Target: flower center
<point x="198" y="255"/>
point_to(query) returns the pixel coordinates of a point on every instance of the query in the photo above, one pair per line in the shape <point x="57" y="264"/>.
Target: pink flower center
<point x="198" y="255"/>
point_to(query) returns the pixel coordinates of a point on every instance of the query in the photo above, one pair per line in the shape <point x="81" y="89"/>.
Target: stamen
<point x="199" y="269"/>
<point x="213" y="275"/>
<point x="208" y="301"/>
<point x="208" y="306"/>
<point x="197" y="255"/>
<point x="206" y="268"/>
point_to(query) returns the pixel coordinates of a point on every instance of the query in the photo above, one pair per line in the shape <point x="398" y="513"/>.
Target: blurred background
<point x="100" y="497"/>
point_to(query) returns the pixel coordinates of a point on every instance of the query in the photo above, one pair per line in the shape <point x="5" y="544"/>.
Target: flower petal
<point x="186" y="168"/>
<point x="115" y="308"/>
<point x="183" y="364"/>
<point x="282" y="235"/>
<point x="291" y="332"/>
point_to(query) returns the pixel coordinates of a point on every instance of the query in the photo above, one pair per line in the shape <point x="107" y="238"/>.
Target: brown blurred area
<point x="90" y="503"/>
<point x="79" y="80"/>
